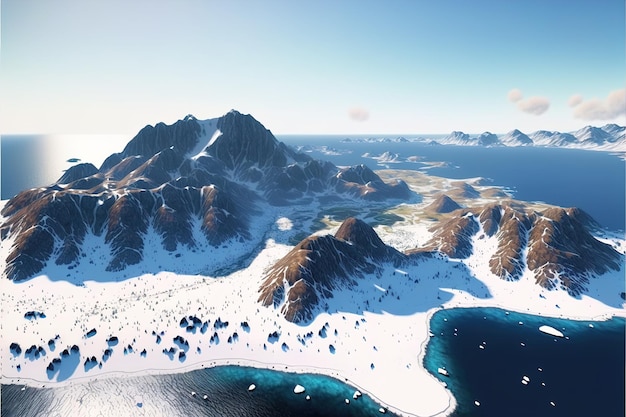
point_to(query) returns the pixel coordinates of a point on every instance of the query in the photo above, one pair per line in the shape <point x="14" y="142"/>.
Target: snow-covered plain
<point x="372" y="336"/>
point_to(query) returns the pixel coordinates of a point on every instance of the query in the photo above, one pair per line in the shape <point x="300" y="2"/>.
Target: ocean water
<point x="28" y="161"/>
<point x="582" y="374"/>
<point x="592" y="181"/>
<point x="226" y="390"/>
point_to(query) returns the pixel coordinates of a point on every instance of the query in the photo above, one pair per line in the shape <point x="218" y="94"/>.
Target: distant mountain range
<point x="610" y="137"/>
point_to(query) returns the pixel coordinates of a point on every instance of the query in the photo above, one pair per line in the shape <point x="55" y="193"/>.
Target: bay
<point x="582" y="374"/>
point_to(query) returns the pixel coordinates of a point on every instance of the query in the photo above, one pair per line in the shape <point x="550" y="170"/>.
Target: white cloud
<point x="359" y="114"/>
<point x="534" y="105"/>
<point x="514" y="95"/>
<point x="575" y="100"/>
<point x="614" y="105"/>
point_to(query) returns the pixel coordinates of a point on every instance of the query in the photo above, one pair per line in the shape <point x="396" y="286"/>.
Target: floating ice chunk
<point x="252" y="387"/>
<point x="521" y="323"/>
<point x="284" y="224"/>
<point x="525" y="378"/>
<point x="481" y="346"/>
<point x="205" y="397"/>
<point x="298" y="389"/>
<point x="357" y="394"/>
<point x="382" y="410"/>
<point x="347" y="401"/>
<point x="308" y="397"/>
<point x="443" y="371"/>
<point x="477" y="403"/>
<point x="552" y="404"/>
<point x="524" y="382"/>
<point x="550" y="330"/>
<point x="591" y="325"/>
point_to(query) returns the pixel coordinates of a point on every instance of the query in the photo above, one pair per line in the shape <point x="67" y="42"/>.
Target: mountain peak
<point x="210" y="175"/>
<point x="320" y="264"/>
<point x="443" y="204"/>
<point x="361" y="235"/>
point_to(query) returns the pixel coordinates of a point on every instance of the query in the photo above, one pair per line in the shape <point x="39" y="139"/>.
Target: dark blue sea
<point x="583" y="375"/>
<point x="592" y="181"/>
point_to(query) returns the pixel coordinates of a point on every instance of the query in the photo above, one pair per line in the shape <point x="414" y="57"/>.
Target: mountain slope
<point x="555" y="244"/>
<point x="197" y="184"/>
<point x="320" y="264"/>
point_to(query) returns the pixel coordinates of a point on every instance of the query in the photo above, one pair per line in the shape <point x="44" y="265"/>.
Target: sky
<point x="309" y="67"/>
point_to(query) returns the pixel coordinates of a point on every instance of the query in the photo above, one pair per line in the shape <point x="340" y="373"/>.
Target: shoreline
<point x="299" y="369"/>
<point x="157" y="301"/>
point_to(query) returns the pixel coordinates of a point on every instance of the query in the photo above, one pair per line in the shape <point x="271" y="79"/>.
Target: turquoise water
<point x="226" y="390"/>
<point x="583" y="373"/>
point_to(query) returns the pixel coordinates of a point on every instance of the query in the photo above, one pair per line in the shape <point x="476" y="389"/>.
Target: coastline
<point x="389" y="326"/>
<point x="311" y="369"/>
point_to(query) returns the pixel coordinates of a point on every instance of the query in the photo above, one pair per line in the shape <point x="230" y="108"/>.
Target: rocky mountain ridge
<point x="213" y="175"/>
<point x="556" y="244"/>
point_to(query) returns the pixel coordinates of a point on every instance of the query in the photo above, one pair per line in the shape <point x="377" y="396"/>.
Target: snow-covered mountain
<point x="555" y="245"/>
<point x="516" y="138"/>
<point x="196" y="185"/>
<point x="610" y="137"/>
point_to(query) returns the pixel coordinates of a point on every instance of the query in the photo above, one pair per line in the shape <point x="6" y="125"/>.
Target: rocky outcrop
<point x="211" y="175"/>
<point x="555" y="245"/>
<point x="318" y="265"/>
<point x="360" y="181"/>
<point x="181" y="136"/>
<point x="454" y="236"/>
<point x="443" y="204"/>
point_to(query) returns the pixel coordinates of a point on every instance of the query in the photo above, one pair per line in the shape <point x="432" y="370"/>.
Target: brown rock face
<point x="454" y="236"/>
<point x="320" y="264"/>
<point x="153" y="182"/>
<point x="555" y="244"/>
<point x="443" y="204"/>
<point x="562" y="252"/>
<point x="508" y="261"/>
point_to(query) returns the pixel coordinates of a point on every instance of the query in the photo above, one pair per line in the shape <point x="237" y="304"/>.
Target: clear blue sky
<point x="75" y="66"/>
